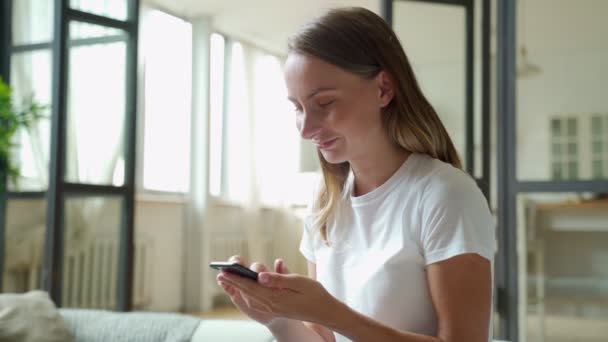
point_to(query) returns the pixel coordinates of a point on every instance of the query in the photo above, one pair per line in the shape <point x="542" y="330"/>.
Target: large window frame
<point x="58" y="188"/>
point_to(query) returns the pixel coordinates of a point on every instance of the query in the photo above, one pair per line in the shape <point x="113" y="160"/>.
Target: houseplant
<point x="13" y="118"/>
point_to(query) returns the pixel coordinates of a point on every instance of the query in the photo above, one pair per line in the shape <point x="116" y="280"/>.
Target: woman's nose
<point x="308" y="125"/>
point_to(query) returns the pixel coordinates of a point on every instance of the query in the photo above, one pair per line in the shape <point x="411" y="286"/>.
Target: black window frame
<point x="58" y="188"/>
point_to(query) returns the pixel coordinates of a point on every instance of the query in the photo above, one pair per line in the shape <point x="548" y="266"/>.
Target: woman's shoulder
<point x="440" y="180"/>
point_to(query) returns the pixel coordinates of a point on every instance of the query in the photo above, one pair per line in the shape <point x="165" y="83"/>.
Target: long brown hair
<point x="359" y="41"/>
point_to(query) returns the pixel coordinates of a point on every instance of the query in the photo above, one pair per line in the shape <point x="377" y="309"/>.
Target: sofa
<point x="98" y="325"/>
<point x="33" y="317"/>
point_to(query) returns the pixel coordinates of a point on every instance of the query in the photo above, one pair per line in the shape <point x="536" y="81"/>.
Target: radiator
<point x="90" y="275"/>
<point x="222" y="248"/>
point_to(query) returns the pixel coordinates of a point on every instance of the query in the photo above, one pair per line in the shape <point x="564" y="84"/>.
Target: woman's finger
<point x="249" y="288"/>
<point x="238" y="259"/>
<point x="258" y="267"/>
<point x="280" y="267"/>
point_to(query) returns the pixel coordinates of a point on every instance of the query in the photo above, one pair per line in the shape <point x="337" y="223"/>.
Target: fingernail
<point x="264" y="278"/>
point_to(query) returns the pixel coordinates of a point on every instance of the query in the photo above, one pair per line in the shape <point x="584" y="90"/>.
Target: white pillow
<point x="31" y="317"/>
<point x="219" y="330"/>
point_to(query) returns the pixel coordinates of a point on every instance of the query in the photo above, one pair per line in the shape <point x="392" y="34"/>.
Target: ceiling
<point x="430" y="33"/>
<point x="265" y="23"/>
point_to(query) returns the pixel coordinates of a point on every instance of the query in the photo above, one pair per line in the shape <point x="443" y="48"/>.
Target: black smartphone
<point x="235" y="268"/>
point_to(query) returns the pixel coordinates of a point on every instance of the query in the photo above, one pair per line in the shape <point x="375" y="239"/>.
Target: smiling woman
<point x="399" y="239"/>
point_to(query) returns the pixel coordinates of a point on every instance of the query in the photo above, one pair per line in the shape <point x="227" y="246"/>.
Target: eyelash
<point x="324" y="105"/>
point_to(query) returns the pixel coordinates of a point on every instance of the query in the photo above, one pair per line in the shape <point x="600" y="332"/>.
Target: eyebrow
<point x="315" y="92"/>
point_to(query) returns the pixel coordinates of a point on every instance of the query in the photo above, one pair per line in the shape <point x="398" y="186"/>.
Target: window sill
<point x="161" y="197"/>
<point x="226" y="203"/>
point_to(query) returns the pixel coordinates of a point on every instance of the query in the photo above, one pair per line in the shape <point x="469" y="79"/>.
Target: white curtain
<point x="263" y="153"/>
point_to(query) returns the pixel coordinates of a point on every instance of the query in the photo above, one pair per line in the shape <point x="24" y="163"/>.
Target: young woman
<point x="399" y="240"/>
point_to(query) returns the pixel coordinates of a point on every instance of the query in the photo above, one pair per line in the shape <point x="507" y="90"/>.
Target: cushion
<point x="31" y="317"/>
<point x="217" y="330"/>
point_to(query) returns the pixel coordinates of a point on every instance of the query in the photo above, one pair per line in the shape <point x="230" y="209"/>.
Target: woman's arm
<point x="295" y="331"/>
<point x="461" y="291"/>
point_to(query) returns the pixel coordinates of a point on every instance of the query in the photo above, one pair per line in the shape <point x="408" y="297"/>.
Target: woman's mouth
<point x="327" y="144"/>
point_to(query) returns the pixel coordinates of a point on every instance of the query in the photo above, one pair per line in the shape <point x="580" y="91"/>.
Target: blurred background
<point x="167" y="142"/>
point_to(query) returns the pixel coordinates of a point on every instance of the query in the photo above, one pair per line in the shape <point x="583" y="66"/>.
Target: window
<point x="255" y="149"/>
<point x="216" y="103"/>
<point x="167" y="55"/>
<point x="564" y="148"/>
<point x="599" y="146"/>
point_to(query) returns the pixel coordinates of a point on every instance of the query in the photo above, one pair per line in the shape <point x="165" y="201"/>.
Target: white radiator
<point x="90" y="275"/>
<point x="222" y="248"/>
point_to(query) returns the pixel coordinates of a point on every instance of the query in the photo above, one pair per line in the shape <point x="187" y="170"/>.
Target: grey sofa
<point x="97" y="325"/>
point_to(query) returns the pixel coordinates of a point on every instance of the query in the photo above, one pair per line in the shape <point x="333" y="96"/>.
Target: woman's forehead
<point x="303" y="72"/>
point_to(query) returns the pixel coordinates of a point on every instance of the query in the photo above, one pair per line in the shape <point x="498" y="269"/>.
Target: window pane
<point x="116" y="9"/>
<point x="31" y="76"/>
<point x="572" y="149"/>
<point x="96" y="112"/>
<point x="216" y="90"/>
<point x="274" y="122"/>
<point x="597" y="147"/>
<point x="91" y="249"/>
<point x="598" y="169"/>
<point x="562" y="64"/>
<point x="556" y="127"/>
<point x="571" y="127"/>
<point x="80" y="30"/>
<point x="438" y="59"/>
<point x="596" y="125"/>
<point x="24" y="245"/>
<point x="573" y="170"/>
<point x="557" y="150"/>
<point x="557" y="171"/>
<point x="32" y="21"/>
<point x="563" y="273"/>
<point x="168" y="88"/>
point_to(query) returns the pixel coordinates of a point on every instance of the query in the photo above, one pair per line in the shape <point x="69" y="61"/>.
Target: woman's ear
<point x="386" y="90"/>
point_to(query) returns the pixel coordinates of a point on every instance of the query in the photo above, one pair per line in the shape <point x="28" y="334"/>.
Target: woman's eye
<point x="326" y="103"/>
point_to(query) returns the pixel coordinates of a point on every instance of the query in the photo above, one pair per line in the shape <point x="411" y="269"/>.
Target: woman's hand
<point x="285" y="295"/>
<point x="243" y="302"/>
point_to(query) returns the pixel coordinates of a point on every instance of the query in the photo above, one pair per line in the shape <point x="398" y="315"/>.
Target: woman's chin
<point x="332" y="157"/>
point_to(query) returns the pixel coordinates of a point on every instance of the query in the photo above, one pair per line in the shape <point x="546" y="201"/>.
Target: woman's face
<point x="338" y="110"/>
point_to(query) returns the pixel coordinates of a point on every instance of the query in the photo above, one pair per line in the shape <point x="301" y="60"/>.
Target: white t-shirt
<point x="381" y="242"/>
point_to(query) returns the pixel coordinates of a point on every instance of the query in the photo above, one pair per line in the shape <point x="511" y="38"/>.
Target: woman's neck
<point x="376" y="167"/>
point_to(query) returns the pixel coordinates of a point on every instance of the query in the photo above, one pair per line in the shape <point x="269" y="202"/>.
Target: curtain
<point x="263" y="154"/>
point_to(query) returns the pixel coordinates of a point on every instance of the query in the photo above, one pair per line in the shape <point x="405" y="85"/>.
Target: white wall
<point x="161" y="223"/>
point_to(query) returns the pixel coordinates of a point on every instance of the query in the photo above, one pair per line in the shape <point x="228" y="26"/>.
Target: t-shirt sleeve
<point x="455" y="219"/>
<point x="307" y="244"/>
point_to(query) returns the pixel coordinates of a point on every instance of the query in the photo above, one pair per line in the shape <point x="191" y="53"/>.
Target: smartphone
<point x="235" y="268"/>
